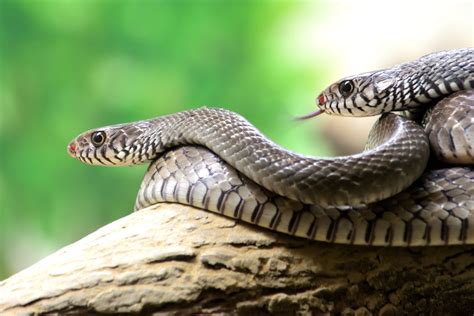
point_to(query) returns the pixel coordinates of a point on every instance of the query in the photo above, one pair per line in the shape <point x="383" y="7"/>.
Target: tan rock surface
<point x="180" y="260"/>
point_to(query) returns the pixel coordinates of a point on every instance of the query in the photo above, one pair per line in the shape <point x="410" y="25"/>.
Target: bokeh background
<point x="68" y="66"/>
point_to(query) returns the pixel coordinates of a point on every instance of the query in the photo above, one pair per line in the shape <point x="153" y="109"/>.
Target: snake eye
<point x="98" y="138"/>
<point x="346" y="87"/>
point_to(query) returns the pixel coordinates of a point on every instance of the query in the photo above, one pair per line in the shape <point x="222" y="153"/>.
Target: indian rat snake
<point x="216" y="160"/>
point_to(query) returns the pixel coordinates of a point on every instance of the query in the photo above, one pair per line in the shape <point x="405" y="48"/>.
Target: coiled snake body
<point x="216" y="160"/>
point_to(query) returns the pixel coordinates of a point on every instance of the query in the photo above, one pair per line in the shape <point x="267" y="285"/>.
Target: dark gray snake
<point x="216" y="160"/>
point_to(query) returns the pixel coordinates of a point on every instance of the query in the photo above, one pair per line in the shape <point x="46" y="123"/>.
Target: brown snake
<point x="216" y="160"/>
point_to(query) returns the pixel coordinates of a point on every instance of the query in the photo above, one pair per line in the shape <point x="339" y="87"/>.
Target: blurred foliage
<point x="68" y="66"/>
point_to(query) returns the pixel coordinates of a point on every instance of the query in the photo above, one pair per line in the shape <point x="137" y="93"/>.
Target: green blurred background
<point x="68" y="66"/>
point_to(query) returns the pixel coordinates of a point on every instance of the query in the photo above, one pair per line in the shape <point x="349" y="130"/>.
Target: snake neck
<point x="226" y="133"/>
<point x="425" y="80"/>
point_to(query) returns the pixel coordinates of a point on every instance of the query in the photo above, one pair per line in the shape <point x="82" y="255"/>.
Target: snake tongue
<point x="310" y="115"/>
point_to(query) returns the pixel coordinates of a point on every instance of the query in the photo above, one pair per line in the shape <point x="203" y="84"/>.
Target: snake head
<point x="362" y="95"/>
<point x="115" y="145"/>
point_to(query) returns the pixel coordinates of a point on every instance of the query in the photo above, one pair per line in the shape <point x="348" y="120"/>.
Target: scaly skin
<point x="244" y="175"/>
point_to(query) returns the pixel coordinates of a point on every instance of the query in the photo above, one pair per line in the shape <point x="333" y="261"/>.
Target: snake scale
<point x="216" y="160"/>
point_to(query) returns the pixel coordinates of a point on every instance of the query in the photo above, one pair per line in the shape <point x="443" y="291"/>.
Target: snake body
<point x="216" y="160"/>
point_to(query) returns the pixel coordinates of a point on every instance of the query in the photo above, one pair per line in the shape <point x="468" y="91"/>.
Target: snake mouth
<point x="310" y="115"/>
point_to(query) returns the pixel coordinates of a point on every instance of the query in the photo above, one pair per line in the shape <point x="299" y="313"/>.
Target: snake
<point x="400" y="191"/>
